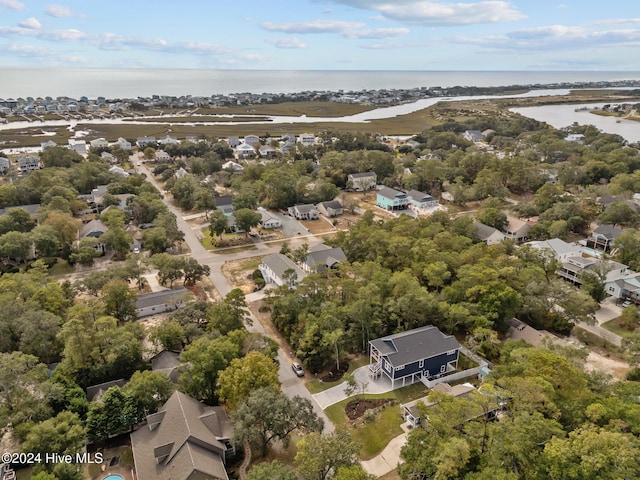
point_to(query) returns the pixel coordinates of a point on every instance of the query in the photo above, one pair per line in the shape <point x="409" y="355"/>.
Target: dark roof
<point x="485" y="231"/>
<point x="32" y="209"/>
<point x="419" y="196"/>
<point x="325" y="255"/>
<point x="95" y="392"/>
<point x="279" y="263"/>
<point x="223" y="200"/>
<point x="153" y="299"/>
<point x="414" y="345"/>
<point x="166" y="362"/>
<point x="183" y="440"/>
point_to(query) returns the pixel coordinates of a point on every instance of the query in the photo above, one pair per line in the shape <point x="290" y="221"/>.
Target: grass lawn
<point x="316" y="386"/>
<point x="376" y="435"/>
<point x="614" y="326"/>
<point x="229" y="237"/>
<point x="61" y="268"/>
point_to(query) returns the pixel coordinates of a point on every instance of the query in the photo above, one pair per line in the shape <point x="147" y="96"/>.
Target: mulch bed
<point x="335" y="374"/>
<point x="356" y="408"/>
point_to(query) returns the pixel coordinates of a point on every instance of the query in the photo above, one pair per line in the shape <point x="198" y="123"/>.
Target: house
<point x="119" y="171"/>
<point x="123" y="143"/>
<point x="184" y="440"/>
<point x="473" y="135"/>
<point x="146" y="141"/>
<point x="330" y="209"/>
<point x="181" y="173"/>
<point x="99" y="143"/>
<point x="488" y="235"/>
<point x="109" y="158"/>
<point x="234" y="167"/>
<point x="561" y="250"/>
<point x="78" y="146"/>
<point x="95" y="392"/>
<point x="624" y="287"/>
<point x="244" y="150"/>
<point x="267" y="151"/>
<point x="603" y="237"/>
<point x="168" y="140"/>
<point x="233" y="142"/>
<point x="421" y="353"/>
<point x="29" y="163"/>
<point x="323" y="256"/>
<point x="361" y="182"/>
<point x="268" y="219"/>
<point x="166" y="362"/>
<point x="391" y="199"/>
<point x="252" y="140"/>
<point x="574" y="137"/>
<point x="95" y="228"/>
<point x="421" y="202"/>
<point x="287" y="147"/>
<point x="162" y="156"/>
<point x="225" y="203"/>
<point x="575" y="268"/>
<point x="307" y="139"/>
<point x="47" y="144"/>
<point x="304" y="212"/>
<point x="5" y="164"/>
<point x="516" y="229"/>
<point x="280" y="269"/>
<point x="32" y="209"/>
<point x="411" y="412"/>
<point x="160" y="302"/>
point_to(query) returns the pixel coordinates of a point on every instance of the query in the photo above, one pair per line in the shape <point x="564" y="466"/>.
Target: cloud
<point x="314" y="26"/>
<point x="60" y="11"/>
<point x="619" y="21"/>
<point x="11" y="4"/>
<point x="425" y="12"/>
<point x="289" y="42"/>
<point x="31" y="23"/>
<point x="42" y="54"/>
<point x="377" y="33"/>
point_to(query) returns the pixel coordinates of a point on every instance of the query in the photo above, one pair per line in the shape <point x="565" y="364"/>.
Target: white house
<point x="244" y="150"/>
<point x="252" y="140"/>
<point x="235" y="167"/>
<point x="268" y="220"/>
<point x="280" y="269"/>
<point x="123" y="143"/>
<point x="307" y="139"/>
<point x="488" y="235"/>
<point x="362" y="181"/>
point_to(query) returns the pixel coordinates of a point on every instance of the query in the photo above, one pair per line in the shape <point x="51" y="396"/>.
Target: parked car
<point x="297" y="368"/>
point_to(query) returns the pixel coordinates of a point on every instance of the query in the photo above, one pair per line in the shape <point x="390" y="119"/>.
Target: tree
<point x="200" y="364"/>
<point x="169" y="267"/>
<point x="63" y="434"/>
<point x="116" y="413"/>
<point x="193" y="271"/>
<point x="493" y="217"/>
<point x="321" y="455"/>
<point x="246" y="219"/>
<point x="156" y="240"/>
<point x="184" y="192"/>
<point x="353" y="472"/>
<point x="169" y="335"/>
<point x="268" y="415"/>
<point x="65" y="226"/>
<point x="45" y="241"/>
<point x="119" y="300"/>
<point x="116" y="239"/>
<point x="619" y="214"/>
<point x="244" y="375"/>
<point x="219" y="223"/>
<point x="15" y="246"/>
<point x="150" y="389"/>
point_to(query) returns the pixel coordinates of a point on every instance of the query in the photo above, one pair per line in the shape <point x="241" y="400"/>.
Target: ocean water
<point x="130" y="83"/>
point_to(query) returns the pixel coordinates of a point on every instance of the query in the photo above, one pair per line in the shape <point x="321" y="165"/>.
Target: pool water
<point x="113" y="476"/>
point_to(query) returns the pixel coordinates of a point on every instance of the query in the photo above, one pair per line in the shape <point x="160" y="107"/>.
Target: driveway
<point x="388" y="459"/>
<point x="361" y="375"/>
<point x="291" y="227"/>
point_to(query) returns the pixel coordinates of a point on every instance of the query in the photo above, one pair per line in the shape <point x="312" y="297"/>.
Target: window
<point x="443" y="368"/>
<point x="421" y="364"/>
<point x="387" y="367"/>
<point x="451" y="352"/>
<point x="399" y="368"/>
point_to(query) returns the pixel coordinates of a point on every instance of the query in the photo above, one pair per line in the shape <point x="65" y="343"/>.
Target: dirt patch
<point x="239" y="272"/>
<point x="335" y="373"/>
<point x="357" y="408"/>
<point x="597" y="362"/>
<point x="318" y="226"/>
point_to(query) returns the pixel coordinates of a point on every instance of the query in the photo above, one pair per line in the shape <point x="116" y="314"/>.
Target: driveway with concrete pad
<point x="361" y="375"/>
<point x="388" y="459"/>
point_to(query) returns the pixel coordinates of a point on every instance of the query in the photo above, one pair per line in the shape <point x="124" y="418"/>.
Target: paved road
<point x="291" y="384"/>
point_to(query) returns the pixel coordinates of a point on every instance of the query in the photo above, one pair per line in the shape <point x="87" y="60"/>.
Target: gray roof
<point x="333" y="204"/>
<point x="95" y="228"/>
<point x="304" y="208"/>
<point x="363" y="175"/>
<point x="414" y="345"/>
<point x="183" y="440"/>
<point x="325" y="255"/>
<point x="166" y="362"/>
<point x="95" y="392"/>
<point x="607" y="231"/>
<point x="223" y="200"/>
<point x="559" y="247"/>
<point x="391" y="193"/>
<point x="419" y="196"/>
<point x="32" y="209"/>
<point x="279" y="263"/>
<point x="485" y="231"/>
<point x="153" y="299"/>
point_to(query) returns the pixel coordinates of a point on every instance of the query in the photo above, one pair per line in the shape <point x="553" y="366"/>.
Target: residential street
<point x="291" y="384"/>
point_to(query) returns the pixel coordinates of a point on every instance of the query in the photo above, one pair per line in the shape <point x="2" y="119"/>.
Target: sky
<point x="323" y="34"/>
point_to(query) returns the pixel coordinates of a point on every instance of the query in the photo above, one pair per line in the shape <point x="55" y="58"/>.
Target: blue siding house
<point x="409" y="356"/>
<point x="391" y="199"/>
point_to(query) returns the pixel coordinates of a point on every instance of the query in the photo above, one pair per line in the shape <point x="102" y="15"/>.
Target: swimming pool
<point x="113" y="476"/>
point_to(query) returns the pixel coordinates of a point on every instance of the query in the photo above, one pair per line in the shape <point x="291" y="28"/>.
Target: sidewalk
<point x="361" y="375"/>
<point x="388" y="459"/>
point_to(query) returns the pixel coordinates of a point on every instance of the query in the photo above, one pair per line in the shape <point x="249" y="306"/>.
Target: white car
<point x="297" y="368"/>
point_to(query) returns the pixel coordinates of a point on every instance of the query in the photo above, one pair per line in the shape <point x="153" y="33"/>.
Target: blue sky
<point x="323" y="34"/>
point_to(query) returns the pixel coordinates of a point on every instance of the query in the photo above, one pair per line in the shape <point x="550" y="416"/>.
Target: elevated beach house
<point x="410" y="356"/>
